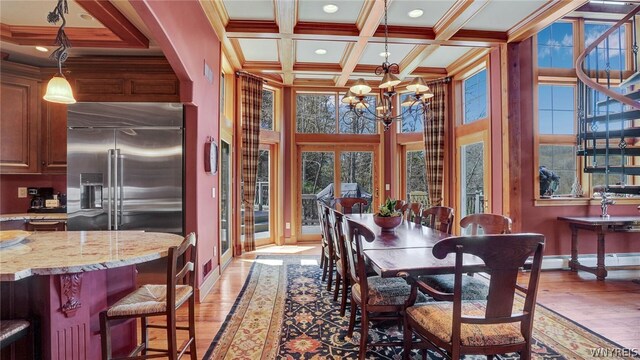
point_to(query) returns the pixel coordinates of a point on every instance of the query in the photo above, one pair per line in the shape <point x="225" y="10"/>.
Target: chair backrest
<point x="185" y="275"/>
<point x="353" y="246"/>
<point x="503" y="255"/>
<point x="337" y="233"/>
<point x="413" y="211"/>
<point x="325" y="228"/>
<point x="437" y="217"/>
<point x="489" y="223"/>
<point x="399" y="205"/>
<point x="347" y="204"/>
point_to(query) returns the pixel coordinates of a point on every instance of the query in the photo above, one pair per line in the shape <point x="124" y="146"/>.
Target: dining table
<point x="407" y="250"/>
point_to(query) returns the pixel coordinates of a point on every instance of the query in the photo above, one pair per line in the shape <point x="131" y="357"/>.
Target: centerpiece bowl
<point x="387" y="223"/>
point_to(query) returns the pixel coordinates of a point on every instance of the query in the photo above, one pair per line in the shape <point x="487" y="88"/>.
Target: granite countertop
<point x="33" y="216"/>
<point x="63" y="252"/>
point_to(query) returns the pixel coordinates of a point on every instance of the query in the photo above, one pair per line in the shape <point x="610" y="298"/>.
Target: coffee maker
<point x="39" y="197"/>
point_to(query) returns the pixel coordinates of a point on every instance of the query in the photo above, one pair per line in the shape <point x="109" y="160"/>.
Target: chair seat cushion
<point x="148" y="299"/>
<point x="472" y="288"/>
<point x="9" y="328"/>
<point x="387" y="291"/>
<point x="437" y="317"/>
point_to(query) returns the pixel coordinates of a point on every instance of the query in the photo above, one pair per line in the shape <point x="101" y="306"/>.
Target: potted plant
<point x="387" y="217"/>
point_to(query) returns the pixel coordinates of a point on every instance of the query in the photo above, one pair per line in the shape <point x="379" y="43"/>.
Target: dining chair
<point x="159" y="300"/>
<point x="472" y="288"/>
<point x="399" y="205"/>
<point x="323" y="241"/>
<point x="489" y="327"/>
<point x="347" y="204"/>
<point x="413" y="211"/>
<point x="343" y="282"/>
<point x="328" y="249"/>
<point x="436" y="217"/>
<point x="378" y="298"/>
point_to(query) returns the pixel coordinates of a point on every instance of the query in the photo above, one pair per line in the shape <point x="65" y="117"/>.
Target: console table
<point x="600" y="226"/>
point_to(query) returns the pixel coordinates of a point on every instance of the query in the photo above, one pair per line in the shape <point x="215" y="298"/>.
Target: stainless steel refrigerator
<point x="125" y="167"/>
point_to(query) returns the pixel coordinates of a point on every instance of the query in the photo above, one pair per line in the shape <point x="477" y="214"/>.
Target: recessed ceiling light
<point x="321" y="51"/>
<point x="330" y="8"/>
<point x="415" y="13"/>
<point x="42" y="48"/>
<point x="385" y="54"/>
<point x="86" y="16"/>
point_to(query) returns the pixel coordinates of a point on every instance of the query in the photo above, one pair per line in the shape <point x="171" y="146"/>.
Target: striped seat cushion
<point x="148" y="299"/>
<point x="9" y="328"/>
<point x="437" y="318"/>
<point x="472" y="288"/>
<point x="387" y="291"/>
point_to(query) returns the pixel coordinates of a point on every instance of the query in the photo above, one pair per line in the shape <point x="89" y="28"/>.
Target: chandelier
<point x="58" y="88"/>
<point x="355" y="98"/>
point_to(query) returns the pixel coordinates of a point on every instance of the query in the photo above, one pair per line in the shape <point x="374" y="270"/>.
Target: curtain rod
<point x="443" y="80"/>
<point x="242" y="73"/>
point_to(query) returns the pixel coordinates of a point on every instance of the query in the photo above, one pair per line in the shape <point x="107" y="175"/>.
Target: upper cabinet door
<point x="54" y="138"/>
<point x="19" y="125"/>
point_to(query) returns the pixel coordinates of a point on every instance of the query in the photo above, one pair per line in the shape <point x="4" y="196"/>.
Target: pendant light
<point x="58" y="88"/>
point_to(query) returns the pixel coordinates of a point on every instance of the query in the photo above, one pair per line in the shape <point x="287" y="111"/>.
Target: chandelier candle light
<point x="58" y="88"/>
<point x="416" y="103"/>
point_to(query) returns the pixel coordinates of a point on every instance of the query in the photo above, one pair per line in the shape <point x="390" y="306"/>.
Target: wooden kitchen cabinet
<point x="54" y="138"/>
<point x="19" y="121"/>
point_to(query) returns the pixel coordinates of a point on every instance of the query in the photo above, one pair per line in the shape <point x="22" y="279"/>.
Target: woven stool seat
<point x="148" y="299"/>
<point x="9" y="328"/>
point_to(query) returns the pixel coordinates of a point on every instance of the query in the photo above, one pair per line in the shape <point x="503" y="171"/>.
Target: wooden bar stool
<point x="159" y="300"/>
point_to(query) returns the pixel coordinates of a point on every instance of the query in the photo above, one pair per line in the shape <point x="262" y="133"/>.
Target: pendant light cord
<point x="386" y="35"/>
<point x="60" y="54"/>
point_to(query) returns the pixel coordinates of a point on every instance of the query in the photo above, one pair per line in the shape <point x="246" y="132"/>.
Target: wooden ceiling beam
<point x="109" y="16"/>
<point x="218" y="17"/>
<point x="465" y="60"/>
<point x="451" y="23"/>
<point x="46" y="35"/>
<point x="543" y="17"/>
<point x="286" y="17"/>
<point x="367" y="29"/>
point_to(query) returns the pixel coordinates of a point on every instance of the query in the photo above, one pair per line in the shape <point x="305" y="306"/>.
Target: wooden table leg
<point x="573" y="263"/>
<point x="601" y="271"/>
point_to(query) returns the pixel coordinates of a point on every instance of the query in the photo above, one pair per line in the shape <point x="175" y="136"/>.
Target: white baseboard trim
<point x="556" y="262"/>
<point x="207" y="285"/>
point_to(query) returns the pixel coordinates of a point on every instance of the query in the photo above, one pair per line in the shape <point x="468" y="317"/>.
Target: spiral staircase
<point x="609" y="109"/>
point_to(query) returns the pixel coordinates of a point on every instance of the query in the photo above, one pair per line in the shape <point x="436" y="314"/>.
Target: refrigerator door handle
<point x="116" y="188"/>
<point x="120" y="187"/>
<point x="109" y="156"/>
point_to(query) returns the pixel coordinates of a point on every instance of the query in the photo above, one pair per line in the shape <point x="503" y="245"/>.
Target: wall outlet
<point x="287" y="226"/>
<point x="22" y="192"/>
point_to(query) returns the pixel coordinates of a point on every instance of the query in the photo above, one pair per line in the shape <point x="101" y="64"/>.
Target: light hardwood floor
<point x="610" y="308"/>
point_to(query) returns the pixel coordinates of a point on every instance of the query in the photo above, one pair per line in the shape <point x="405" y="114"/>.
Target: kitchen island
<point x="66" y="278"/>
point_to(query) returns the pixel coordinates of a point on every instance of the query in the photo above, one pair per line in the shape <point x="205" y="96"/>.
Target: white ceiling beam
<point x="286" y="17"/>
<point x="367" y="29"/>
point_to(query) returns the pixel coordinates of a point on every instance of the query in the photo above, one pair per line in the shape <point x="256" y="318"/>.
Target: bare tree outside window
<point x="316" y="113"/>
<point x="416" y="175"/>
<point x="266" y="112"/>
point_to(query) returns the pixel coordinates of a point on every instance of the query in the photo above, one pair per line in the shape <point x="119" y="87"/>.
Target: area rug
<point x="284" y="311"/>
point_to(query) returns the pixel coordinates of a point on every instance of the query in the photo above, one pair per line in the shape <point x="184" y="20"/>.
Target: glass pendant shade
<point x="418" y="85"/>
<point x="349" y="98"/>
<point x="410" y="101"/>
<point x="59" y="91"/>
<point x="360" y="87"/>
<point x="389" y="80"/>
<point x="361" y="105"/>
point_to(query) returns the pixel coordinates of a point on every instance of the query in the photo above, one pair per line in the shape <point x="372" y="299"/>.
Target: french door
<point x="473" y="171"/>
<point x="225" y="203"/>
<point x="328" y="172"/>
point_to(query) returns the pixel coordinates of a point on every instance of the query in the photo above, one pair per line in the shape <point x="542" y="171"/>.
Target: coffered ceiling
<point x="303" y="42"/>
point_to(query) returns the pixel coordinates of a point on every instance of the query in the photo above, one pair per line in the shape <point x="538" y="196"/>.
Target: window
<point x="555" y="46"/>
<point x="475" y="97"/>
<point x="416" y="177"/>
<point x="266" y="112"/>
<point x="561" y="160"/>
<point x="349" y="124"/>
<point x="613" y="50"/>
<point x="412" y="121"/>
<point x="556" y="109"/>
<point x="318" y="114"/>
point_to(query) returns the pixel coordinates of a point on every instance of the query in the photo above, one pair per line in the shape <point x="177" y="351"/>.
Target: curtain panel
<point x="434" y="143"/>
<point x="251" y="105"/>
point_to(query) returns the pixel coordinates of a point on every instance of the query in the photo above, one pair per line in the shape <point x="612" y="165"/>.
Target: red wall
<point x="543" y="219"/>
<point x="185" y="36"/>
<point x="9" y="184"/>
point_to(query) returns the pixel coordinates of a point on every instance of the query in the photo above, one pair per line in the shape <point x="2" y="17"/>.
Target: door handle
<point x="116" y="188"/>
<point x="120" y="186"/>
<point x="109" y="170"/>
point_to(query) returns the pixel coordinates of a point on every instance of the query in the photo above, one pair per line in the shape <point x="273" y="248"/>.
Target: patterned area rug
<point x="285" y="312"/>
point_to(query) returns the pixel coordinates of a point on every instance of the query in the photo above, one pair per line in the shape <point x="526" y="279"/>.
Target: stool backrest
<point x="184" y="275"/>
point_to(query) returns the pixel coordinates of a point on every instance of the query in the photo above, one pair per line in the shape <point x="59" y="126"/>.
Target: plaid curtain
<point x="251" y="104"/>
<point x="434" y="143"/>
